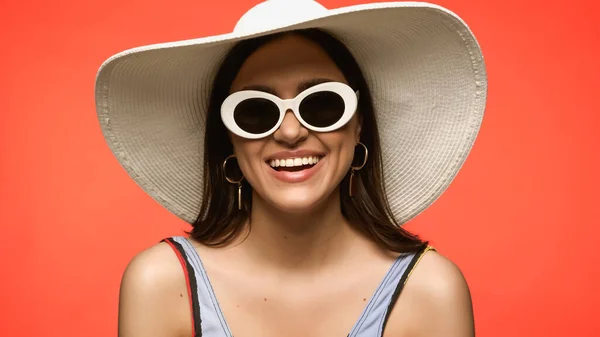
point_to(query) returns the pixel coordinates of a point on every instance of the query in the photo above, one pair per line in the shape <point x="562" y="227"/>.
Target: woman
<point x="312" y="153"/>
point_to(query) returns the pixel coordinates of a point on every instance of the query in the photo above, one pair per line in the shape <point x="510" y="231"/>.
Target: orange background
<point x="521" y="219"/>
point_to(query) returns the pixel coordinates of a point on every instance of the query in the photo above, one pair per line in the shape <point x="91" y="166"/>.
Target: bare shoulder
<point x="435" y="301"/>
<point x="153" y="299"/>
<point x="437" y="278"/>
<point x="155" y="266"/>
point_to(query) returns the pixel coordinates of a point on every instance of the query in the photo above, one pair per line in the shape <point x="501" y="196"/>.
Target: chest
<point x="270" y="308"/>
<point x="240" y="301"/>
<point x="244" y="304"/>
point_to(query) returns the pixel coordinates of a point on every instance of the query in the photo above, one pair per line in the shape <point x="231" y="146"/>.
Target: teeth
<point x="290" y="162"/>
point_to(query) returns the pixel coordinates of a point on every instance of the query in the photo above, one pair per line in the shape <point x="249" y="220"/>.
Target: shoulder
<point x="435" y="277"/>
<point x="153" y="296"/>
<point x="153" y="270"/>
<point x="435" y="300"/>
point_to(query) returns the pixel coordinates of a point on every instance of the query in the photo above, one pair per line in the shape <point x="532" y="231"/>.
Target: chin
<point x="298" y="203"/>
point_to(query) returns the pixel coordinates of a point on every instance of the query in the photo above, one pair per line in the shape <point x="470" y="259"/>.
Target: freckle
<point x="265" y="299"/>
<point x="180" y="295"/>
<point x="364" y="299"/>
<point x="285" y="237"/>
<point x="238" y="305"/>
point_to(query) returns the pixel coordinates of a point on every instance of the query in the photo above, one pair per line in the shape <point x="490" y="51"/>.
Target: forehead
<point x="285" y="64"/>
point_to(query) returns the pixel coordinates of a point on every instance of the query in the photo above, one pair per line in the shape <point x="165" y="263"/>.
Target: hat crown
<point x="276" y="13"/>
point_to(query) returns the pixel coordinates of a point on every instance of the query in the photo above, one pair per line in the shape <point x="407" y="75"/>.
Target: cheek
<point x="247" y="153"/>
<point x="342" y="148"/>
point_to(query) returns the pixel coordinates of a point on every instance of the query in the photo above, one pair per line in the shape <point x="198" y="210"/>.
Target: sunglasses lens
<point x="322" y="109"/>
<point x="256" y="115"/>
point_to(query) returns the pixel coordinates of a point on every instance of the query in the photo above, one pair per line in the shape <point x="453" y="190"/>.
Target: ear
<point x="358" y="128"/>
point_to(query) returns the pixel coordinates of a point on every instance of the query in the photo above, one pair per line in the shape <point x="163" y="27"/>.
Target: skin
<point x="299" y="263"/>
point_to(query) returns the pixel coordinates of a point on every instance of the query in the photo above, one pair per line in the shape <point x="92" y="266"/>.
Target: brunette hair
<point x="219" y="220"/>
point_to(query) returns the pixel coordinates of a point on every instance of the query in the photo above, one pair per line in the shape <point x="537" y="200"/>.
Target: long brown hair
<point x="219" y="220"/>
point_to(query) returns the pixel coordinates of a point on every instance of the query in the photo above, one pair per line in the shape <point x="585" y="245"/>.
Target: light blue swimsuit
<point x="208" y="319"/>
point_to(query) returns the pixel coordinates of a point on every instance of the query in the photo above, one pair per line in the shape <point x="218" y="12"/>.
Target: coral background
<point x="521" y="219"/>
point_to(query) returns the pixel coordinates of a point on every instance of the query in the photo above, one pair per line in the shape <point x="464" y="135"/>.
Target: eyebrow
<point x="300" y="87"/>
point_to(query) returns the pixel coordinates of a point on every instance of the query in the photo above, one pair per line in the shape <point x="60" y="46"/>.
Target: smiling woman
<point x="320" y="135"/>
<point x="314" y="77"/>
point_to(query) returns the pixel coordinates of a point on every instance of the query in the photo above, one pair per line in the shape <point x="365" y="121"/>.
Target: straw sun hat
<point x="421" y="62"/>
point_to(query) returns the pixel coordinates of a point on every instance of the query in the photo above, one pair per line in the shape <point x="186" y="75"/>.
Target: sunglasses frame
<point x="348" y="95"/>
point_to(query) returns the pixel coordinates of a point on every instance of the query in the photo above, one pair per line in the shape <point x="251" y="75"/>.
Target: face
<point x="285" y="67"/>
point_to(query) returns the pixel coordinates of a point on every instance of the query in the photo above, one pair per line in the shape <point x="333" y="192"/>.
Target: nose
<point x="291" y="131"/>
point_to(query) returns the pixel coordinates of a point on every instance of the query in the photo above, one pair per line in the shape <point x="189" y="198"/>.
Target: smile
<point x="294" y="164"/>
<point x="294" y="170"/>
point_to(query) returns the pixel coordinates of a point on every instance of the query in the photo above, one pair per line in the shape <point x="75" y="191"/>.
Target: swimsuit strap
<point x="212" y="322"/>
<point x="374" y="318"/>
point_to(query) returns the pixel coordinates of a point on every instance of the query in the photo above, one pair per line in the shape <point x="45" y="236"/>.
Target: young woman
<point x="296" y="147"/>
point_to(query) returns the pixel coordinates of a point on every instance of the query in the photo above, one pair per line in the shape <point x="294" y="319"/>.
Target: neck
<point x="298" y="241"/>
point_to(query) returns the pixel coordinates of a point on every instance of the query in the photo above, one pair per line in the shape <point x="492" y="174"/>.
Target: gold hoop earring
<point x="352" y="187"/>
<point x="238" y="182"/>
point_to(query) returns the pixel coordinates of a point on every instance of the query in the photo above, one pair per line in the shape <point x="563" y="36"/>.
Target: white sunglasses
<point x="256" y="114"/>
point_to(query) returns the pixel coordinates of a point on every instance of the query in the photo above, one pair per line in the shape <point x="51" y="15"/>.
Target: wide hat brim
<point x="421" y="62"/>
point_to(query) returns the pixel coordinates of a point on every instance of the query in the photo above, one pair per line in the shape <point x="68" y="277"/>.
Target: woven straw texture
<point x="423" y="66"/>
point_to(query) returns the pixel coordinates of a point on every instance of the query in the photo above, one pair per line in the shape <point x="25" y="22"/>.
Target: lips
<point x="294" y="164"/>
<point x="294" y="173"/>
